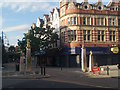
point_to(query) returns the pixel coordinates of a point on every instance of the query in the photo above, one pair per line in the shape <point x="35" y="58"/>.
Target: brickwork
<point x="96" y="17"/>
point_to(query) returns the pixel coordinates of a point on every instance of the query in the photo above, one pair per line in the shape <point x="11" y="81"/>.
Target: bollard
<point x="107" y="70"/>
<point x="41" y="70"/>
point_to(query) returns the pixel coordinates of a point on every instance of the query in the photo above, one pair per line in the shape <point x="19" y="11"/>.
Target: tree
<point x="11" y="49"/>
<point x="41" y="39"/>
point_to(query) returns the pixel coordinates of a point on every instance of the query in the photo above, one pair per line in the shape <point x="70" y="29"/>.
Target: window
<point x="102" y="21"/>
<point x="68" y="21"/>
<point x="113" y="22"/>
<point x="119" y="36"/>
<point x="118" y="21"/>
<point x="75" y="20"/>
<point x="72" y="38"/>
<point x="87" y="35"/>
<point x="71" y="35"/>
<point x="110" y="22"/>
<point x="101" y="36"/>
<point x="84" y="20"/>
<point x="99" y="7"/>
<point x="75" y="35"/>
<point x="84" y="33"/>
<point x="71" y="19"/>
<point x="88" y="21"/>
<point x="56" y="15"/>
<point x="98" y="21"/>
<point x="86" y="7"/>
<point x="68" y="35"/>
<point x="112" y="36"/>
<point x="98" y="35"/>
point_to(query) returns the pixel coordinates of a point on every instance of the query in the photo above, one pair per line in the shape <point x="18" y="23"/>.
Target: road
<point x="23" y="83"/>
<point x="76" y="76"/>
<point x="65" y="78"/>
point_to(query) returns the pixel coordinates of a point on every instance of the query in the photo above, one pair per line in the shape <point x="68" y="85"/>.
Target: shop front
<point x="71" y="57"/>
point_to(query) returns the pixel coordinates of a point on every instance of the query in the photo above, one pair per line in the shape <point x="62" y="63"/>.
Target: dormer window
<point x="99" y="7"/>
<point x="86" y="7"/>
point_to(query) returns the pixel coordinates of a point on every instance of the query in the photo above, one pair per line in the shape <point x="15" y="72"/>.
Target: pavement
<point x="114" y="72"/>
<point x="10" y="71"/>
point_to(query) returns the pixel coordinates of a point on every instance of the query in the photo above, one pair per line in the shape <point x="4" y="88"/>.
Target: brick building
<point x="96" y="26"/>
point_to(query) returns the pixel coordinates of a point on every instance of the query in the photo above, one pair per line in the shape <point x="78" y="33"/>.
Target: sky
<point x="17" y="16"/>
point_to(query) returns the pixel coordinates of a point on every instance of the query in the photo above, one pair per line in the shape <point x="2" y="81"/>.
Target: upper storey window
<point x="88" y="20"/>
<point x="84" y="20"/>
<point x="119" y="35"/>
<point x="111" y="21"/>
<point x="86" y="35"/>
<point x="75" y="20"/>
<point x="114" y="8"/>
<point x="118" y="21"/>
<point x="86" y="7"/>
<point x="98" y="21"/>
<point x="112" y="36"/>
<point x="99" y="7"/>
<point x="71" y="19"/>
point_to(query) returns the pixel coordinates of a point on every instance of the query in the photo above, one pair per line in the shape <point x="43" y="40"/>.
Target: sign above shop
<point x="115" y="50"/>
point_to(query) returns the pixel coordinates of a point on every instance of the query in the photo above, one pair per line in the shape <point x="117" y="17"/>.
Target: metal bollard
<point x="41" y="70"/>
<point x="107" y="70"/>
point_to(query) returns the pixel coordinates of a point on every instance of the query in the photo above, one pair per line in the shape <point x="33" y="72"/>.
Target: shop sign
<point x="115" y="50"/>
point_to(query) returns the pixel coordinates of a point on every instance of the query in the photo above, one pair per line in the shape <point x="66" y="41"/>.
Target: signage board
<point x="115" y="50"/>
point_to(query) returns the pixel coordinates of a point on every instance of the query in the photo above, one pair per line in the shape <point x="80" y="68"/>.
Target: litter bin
<point x="17" y="67"/>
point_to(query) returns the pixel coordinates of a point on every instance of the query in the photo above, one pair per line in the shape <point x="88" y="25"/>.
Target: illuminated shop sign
<point x="115" y="50"/>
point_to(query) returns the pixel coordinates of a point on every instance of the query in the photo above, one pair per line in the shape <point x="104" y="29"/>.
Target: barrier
<point x="96" y="69"/>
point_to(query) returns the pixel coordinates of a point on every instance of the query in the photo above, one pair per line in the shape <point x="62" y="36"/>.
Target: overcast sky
<point x="17" y="16"/>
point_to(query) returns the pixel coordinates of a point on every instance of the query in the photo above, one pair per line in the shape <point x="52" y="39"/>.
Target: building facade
<point x="52" y="20"/>
<point x="96" y="26"/>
